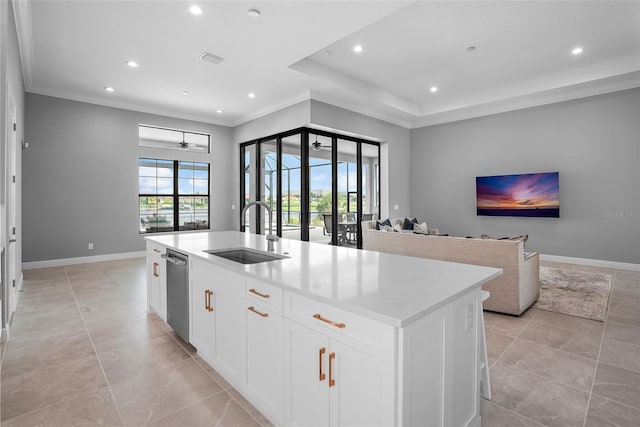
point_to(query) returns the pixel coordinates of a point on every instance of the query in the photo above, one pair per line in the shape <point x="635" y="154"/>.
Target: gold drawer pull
<point x="332" y="382"/>
<point x="257" y="312"/>
<point x="157" y="250"/>
<point x="320" y="359"/>
<point x="331" y="322"/>
<point x="253" y="291"/>
<point x="155" y="270"/>
<point x="207" y="300"/>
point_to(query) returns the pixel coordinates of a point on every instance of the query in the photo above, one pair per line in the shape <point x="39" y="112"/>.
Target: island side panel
<point x="438" y="373"/>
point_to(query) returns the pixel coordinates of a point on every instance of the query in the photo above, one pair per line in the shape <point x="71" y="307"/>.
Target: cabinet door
<point x="265" y="359"/>
<point x="162" y="287"/>
<point x="306" y="376"/>
<point x="202" y="319"/>
<point x="230" y="335"/>
<point x="362" y="388"/>
<point x="153" y="280"/>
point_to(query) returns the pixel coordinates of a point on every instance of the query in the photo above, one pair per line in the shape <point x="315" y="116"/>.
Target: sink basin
<point x="245" y="255"/>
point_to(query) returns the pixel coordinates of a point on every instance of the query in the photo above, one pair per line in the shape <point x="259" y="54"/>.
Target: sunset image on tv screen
<point x="532" y="195"/>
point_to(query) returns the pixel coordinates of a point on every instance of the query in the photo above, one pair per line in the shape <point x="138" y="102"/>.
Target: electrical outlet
<point x="469" y="316"/>
<point x="90" y="246"/>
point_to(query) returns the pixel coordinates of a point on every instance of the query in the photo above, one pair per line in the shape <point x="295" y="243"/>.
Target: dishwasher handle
<point x="173" y="260"/>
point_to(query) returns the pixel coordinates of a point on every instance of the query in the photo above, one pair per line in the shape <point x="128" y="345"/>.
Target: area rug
<point x="576" y="293"/>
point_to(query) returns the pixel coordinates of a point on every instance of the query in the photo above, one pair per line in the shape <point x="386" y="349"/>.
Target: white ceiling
<point x="73" y="49"/>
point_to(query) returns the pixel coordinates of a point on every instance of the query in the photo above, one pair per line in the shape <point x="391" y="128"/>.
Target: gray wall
<point x="394" y="152"/>
<point x="81" y="177"/>
<point x="593" y="142"/>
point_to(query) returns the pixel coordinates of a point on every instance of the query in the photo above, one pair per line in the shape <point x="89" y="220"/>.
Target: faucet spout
<point x="270" y="237"/>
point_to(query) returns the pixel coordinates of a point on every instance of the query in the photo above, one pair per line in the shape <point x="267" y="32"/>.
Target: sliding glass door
<point x="319" y="185"/>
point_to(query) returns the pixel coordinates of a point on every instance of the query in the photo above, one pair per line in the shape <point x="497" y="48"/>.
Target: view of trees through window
<point x="173" y="195"/>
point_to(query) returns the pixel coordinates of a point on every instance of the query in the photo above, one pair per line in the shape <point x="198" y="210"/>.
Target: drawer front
<point x="217" y="277"/>
<point x="155" y="249"/>
<point x="371" y="336"/>
<point x="264" y="294"/>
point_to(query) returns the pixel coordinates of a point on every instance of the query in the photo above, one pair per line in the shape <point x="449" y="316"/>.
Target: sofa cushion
<point x="420" y="228"/>
<point x="408" y="223"/>
<point x="380" y="224"/>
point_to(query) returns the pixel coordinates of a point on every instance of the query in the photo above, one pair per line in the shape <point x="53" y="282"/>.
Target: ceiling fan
<point x="317" y="145"/>
<point x="185" y="145"/>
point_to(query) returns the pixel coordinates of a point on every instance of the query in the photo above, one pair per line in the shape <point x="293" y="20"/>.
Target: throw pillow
<point x="397" y="228"/>
<point x="387" y="228"/>
<point x="408" y="223"/>
<point x="380" y="224"/>
<point x="420" y="228"/>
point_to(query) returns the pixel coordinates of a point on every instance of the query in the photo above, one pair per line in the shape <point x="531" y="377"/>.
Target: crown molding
<point x="304" y="96"/>
<point x="131" y="107"/>
<point x="551" y="96"/>
<point x="24" y="29"/>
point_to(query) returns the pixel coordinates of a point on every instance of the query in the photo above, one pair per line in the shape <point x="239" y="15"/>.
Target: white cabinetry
<point x="156" y="280"/>
<point x="334" y="376"/>
<point x="202" y="315"/>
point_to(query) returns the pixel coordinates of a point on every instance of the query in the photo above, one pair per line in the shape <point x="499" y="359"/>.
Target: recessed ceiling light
<point x="185" y="92"/>
<point x="433" y="89"/>
<point x="254" y="13"/>
<point x="357" y="48"/>
<point x="109" y="89"/>
<point x="576" y="50"/>
<point x="132" y="64"/>
<point x="219" y="111"/>
<point x="251" y="95"/>
<point x="195" y="9"/>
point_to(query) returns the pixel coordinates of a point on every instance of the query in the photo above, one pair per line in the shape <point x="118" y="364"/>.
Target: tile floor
<point x="83" y="351"/>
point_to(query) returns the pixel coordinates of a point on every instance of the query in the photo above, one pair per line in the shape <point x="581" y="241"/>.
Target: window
<point x="170" y="139"/>
<point x="173" y="195"/>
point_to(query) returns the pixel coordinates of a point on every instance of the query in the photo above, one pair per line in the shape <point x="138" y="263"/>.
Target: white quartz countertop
<point x="389" y="288"/>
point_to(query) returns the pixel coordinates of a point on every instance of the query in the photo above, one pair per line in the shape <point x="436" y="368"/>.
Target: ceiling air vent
<point x="209" y="57"/>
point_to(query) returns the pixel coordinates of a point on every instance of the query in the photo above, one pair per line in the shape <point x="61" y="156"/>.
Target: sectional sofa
<point x="511" y="293"/>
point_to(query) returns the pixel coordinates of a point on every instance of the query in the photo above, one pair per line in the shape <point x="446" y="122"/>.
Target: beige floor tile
<point x="617" y="384"/>
<point x="575" y="324"/>
<point x="538" y="398"/>
<point x="622" y="332"/>
<point x="504" y="324"/>
<point x="496" y="344"/>
<point x="24" y="358"/>
<point x="92" y="408"/>
<point x="566" y="368"/>
<point x="220" y="409"/>
<point x="139" y="332"/>
<point x="497" y="416"/>
<point x="44" y="386"/>
<point x="562" y="339"/>
<point x="629" y="317"/>
<point x="620" y="354"/>
<point x="155" y="394"/>
<point x="212" y="372"/>
<point x="629" y="303"/>
<point x="603" y="412"/>
<point x="50" y="273"/>
<point x="161" y="353"/>
<point x="247" y="406"/>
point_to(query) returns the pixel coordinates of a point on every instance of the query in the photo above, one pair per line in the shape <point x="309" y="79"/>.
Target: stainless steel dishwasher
<point x="178" y="292"/>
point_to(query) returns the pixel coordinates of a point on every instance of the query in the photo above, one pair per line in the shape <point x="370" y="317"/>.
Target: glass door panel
<point x="291" y="200"/>
<point x="269" y="189"/>
<point x="248" y="154"/>
<point x="347" y="208"/>
<point x="320" y="203"/>
<point x="370" y="182"/>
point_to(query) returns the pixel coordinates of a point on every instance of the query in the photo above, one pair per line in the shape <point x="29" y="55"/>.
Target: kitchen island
<point x="332" y="335"/>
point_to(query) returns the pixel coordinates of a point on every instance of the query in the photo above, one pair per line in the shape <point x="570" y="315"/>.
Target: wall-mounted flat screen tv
<point x="523" y="195"/>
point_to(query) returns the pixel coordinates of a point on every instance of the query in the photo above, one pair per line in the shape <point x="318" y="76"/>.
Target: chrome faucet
<point x="270" y="237"/>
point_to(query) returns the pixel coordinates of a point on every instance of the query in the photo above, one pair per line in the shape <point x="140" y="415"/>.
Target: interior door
<point x="11" y="206"/>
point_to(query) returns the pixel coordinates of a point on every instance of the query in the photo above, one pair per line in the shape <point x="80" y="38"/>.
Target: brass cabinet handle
<point x="331" y="322"/>
<point x="157" y="250"/>
<point x="320" y="359"/>
<point x="332" y="382"/>
<point x="257" y="312"/>
<point x="206" y="299"/>
<point x="253" y="291"/>
<point x="155" y="270"/>
<point x="209" y="308"/>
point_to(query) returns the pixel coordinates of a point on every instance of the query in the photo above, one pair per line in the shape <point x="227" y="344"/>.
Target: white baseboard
<point x="591" y="262"/>
<point x="80" y="260"/>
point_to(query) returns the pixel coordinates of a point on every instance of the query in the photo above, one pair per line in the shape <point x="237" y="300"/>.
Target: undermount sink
<point x="246" y="255"/>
